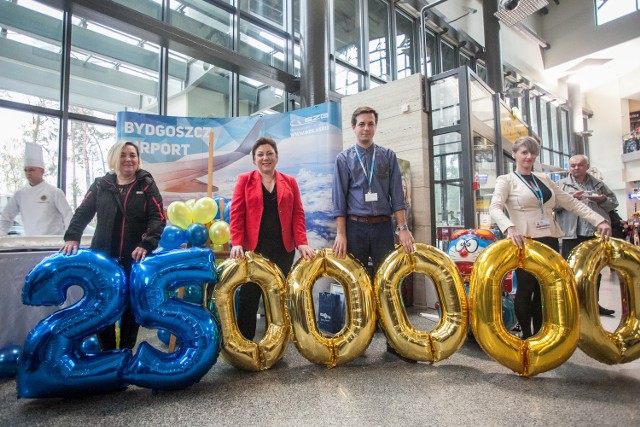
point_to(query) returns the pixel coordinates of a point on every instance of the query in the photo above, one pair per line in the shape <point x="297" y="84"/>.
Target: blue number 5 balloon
<point x="52" y="362"/>
<point x="152" y="283"/>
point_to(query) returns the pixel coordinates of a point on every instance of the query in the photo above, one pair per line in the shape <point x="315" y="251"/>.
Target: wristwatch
<point x="402" y="228"/>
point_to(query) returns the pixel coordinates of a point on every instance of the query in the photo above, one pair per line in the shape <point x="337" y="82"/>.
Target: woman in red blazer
<point x="266" y="217"/>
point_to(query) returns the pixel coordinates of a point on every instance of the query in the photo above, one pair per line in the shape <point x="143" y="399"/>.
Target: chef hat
<point x="33" y="155"/>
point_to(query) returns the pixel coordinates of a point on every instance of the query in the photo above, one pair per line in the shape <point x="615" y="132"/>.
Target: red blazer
<point x="247" y="207"/>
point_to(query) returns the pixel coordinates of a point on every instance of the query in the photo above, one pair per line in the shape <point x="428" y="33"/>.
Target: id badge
<point x="371" y="197"/>
<point x="542" y="224"/>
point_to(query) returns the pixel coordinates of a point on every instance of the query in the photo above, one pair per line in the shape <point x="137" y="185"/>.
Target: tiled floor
<point x="469" y="388"/>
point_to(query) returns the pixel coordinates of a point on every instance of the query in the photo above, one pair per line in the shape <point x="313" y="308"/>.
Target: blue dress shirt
<point x="350" y="184"/>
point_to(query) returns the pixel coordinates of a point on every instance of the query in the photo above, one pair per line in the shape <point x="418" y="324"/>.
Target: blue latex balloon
<point x="172" y="237"/>
<point x="52" y="363"/>
<point x="197" y="235"/>
<point x="217" y="200"/>
<point x="91" y="345"/>
<point x="195" y="328"/>
<point x="227" y="212"/>
<point x="9" y="361"/>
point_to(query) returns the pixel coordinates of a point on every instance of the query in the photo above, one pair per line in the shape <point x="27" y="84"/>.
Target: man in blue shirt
<point x="367" y="190"/>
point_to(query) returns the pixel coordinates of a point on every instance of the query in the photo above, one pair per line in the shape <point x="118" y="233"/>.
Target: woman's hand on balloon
<point x="306" y="252"/>
<point x="70" y="247"/>
<point x="515" y="236"/>
<point x="236" y="252"/>
<point x="604" y="229"/>
<point x="138" y="254"/>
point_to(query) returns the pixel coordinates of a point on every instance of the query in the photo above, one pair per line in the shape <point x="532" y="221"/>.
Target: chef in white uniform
<point x="43" y="207"/>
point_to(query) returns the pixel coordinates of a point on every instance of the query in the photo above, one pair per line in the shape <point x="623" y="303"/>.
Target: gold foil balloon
<point x="219" y="233"/>
<point x="355" y="336"/>
<point x="180" y="214"/>
<point x="451" y="331"/>
<point x="204" y="210"/>
<point x="586" y="260"/>
<point x="557" y="339"/>
<point x="236" y="349"/>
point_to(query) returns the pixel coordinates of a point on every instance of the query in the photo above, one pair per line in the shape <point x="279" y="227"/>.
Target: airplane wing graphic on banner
<point x="185" y="175"/>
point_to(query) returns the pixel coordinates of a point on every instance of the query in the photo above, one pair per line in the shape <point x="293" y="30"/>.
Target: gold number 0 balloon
<point x="587" y="260"/>
<point x="236" y="349"/>
<point x="558" y="338"/>
<point x="355" y="337"/>
<point x="451" y="331"/>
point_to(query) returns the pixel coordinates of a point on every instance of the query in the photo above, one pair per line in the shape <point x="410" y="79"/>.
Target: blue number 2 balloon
<point x="198" y="333"/>
<point x="52" y="362"/>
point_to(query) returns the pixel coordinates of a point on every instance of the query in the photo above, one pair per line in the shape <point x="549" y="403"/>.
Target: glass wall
<point x="179" y="64"/>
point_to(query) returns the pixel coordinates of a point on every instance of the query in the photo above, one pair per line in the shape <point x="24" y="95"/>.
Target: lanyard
<point x="536" y="191"/>
<point x="373" y="161"/>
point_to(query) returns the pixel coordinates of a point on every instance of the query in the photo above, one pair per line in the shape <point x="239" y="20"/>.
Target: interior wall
<point x="403" y="127"/>
<point x="609" y="123"/>
<point x="571" y="30"/>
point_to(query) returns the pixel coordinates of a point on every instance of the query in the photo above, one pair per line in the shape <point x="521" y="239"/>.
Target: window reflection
<point x="404" y="43"/>
<point x="347" y="82"/>
<point x="379" y="39"/>
<point x="87" y="148"/>
<point x="346" y="24"/>
<point x="262" y="45"/>
<point x="104" y="58"/>
<point x="26" y="58"/>
<point x="27" y="127"/>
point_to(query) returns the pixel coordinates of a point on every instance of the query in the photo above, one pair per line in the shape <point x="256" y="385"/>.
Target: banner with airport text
<point x="175" y="150"/>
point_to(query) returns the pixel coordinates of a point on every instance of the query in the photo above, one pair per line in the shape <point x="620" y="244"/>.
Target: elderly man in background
<point x="43" y="207"/>
<point x="592" y="192"/>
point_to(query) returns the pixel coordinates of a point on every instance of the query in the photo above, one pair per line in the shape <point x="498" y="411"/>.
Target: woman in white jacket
<point x="529" y="199"/>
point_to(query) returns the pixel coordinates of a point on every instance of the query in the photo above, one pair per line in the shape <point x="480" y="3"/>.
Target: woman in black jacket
<point x="130" y="222"/>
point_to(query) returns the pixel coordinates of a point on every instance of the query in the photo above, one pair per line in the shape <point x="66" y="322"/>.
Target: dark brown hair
<point x="264" y="141"/>
<point x="363" y="110"/>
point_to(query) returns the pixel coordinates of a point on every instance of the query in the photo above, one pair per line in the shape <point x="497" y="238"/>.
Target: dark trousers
<point x="249" y="296"/>
<point x="528" y="300"/>
<point x="569" y="244"/>
<point x="128" y="326"/>
<point x="370" y="240"/>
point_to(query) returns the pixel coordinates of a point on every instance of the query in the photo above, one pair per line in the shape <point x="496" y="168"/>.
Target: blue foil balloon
<point x="194" y="294"/>
<point x="9" y="361"/>
<point x="195" y="328"/>
<point x="197" y="235"/>
<point x="164" y="336"/>
<point x="52" y="362"/>
<point x="172" y="237"/>
<point x="91" y="345"/>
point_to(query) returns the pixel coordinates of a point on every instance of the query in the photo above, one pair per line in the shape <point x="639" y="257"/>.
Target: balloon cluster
<point x="197" y="222"/>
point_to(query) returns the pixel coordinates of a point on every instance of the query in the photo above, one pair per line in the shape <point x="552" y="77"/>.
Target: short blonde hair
<point x="531" y="143"/>
<point x="113" y="157"/>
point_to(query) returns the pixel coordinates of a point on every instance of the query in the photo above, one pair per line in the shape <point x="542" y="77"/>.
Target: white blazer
<point x="524" y="207"/>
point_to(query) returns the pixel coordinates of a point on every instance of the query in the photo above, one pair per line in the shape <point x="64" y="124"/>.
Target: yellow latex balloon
<point x="586" y="260"/>
<point x="190" y="203"/>
<point x="557" y="339"/>
<point x="355" y="336"/>
<point x="180" y="214"/>
<point x="236" y="349"/>
<point x="451" y="331"/>
<point x="218" y="248"/>
<point x="204" y="210"/>
<point x="219" y="233"/>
